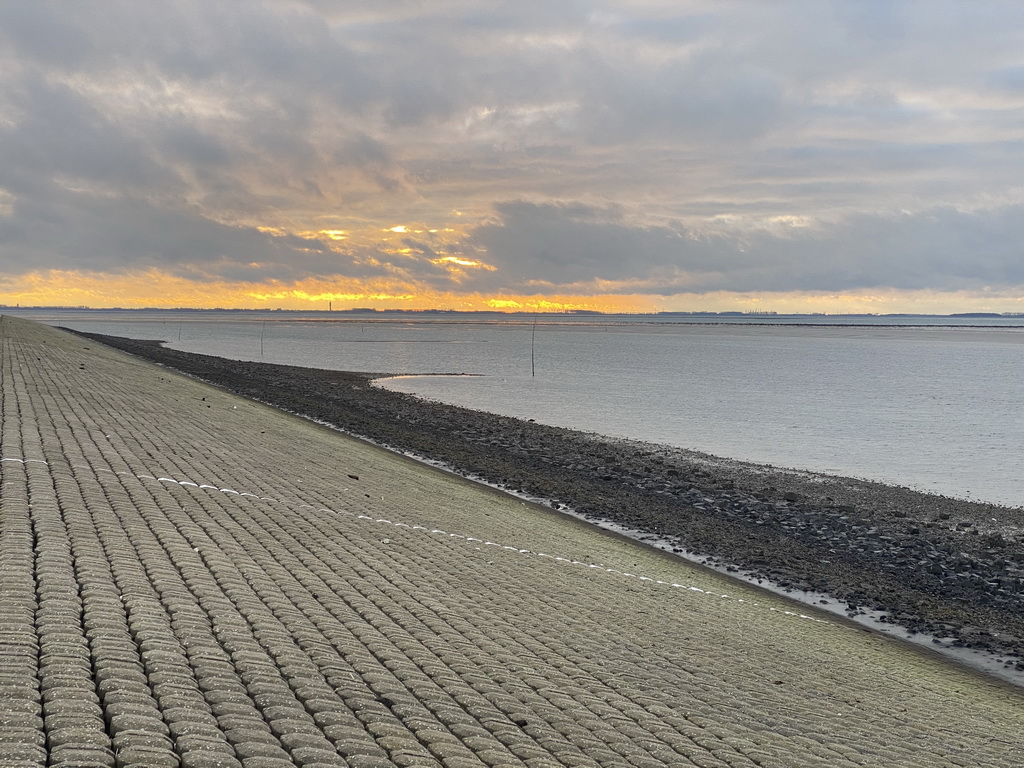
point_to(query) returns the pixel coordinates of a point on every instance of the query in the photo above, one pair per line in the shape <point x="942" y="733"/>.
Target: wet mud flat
<point x="936" y="565"/>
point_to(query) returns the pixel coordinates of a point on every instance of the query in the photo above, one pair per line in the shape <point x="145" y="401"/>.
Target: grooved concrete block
<point x="250" y="749"/>
<point x="81" y="735"/>
<point x="369" y="761"/>
<point x="320" y="756"/>
<point x="81" y="756"/>
<point x="209" y="760"/>
<point x="203" y="743"/>
<point x="353" y="747"/>
<point x="141" y="756"/>
<point x="27" y="737"/>
<point x="264" y="761"/>
<point x="16" y="754"/>
<point x="207" y="728"/>
<point x="250" y="735"/>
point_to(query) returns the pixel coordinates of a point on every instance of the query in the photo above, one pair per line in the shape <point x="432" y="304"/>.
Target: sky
<point x="523" y="155"/>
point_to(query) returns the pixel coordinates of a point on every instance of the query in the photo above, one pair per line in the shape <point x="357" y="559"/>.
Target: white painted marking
<point x="510" y="548"/>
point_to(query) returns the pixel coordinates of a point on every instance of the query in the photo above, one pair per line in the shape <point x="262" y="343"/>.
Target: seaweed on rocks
<point x="933" y="564"/>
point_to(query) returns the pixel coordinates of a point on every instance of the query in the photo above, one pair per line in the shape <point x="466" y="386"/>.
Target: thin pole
<point x="533" y="344"/>
<point x="263" y="330"/>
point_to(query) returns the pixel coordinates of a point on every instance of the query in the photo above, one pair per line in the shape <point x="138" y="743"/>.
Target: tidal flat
<point x="940" y="566"/>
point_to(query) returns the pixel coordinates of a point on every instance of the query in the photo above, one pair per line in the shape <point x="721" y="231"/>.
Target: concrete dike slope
<point x="188" y="578"/>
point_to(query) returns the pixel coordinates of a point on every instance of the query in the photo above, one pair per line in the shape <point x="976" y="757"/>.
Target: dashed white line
<point x="517" y="550"/>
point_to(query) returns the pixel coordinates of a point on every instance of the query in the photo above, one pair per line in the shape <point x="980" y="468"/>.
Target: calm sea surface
<point x="928" y="403"/>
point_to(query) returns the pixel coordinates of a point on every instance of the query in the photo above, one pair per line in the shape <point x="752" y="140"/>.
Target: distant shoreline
<point x="941" y="566"/>
<point x="728" y="317"/>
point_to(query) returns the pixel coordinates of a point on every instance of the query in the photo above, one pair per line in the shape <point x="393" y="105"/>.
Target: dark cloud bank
<point x="546" y="246"/>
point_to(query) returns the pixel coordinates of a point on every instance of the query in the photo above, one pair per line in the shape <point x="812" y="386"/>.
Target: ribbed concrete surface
<point x="190" y="579"/>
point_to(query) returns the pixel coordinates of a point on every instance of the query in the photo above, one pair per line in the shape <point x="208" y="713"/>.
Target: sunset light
<point x="581" y="155"/>
<point x="152" y="288"/>
<point x="462" y="262"/>
<point x="391" y="383"/>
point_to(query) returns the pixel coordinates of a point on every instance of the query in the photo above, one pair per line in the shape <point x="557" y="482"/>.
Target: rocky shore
<point x="942" y="566"/>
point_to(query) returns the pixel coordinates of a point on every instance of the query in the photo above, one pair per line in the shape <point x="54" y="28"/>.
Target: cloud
<point x="564" y="248"/>
<point x="643" y="145"/>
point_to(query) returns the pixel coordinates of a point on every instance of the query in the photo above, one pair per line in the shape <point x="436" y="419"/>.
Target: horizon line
<point x="753" y="314"/>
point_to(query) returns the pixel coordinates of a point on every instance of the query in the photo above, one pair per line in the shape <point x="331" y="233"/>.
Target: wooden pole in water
<point x="533" y="344"/>
<point x="263" y="330"/>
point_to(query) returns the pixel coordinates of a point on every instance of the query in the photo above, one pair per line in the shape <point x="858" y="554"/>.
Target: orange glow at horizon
<point x="155" y="289"/>
<point x="159" y="290"/>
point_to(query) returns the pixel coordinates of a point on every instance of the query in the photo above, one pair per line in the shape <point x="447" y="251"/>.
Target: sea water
<point x="932" y="406"/>
<point x="933" y="409"/>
